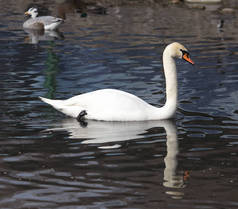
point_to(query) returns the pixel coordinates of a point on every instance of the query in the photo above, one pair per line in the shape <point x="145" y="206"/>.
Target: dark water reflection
<point x="50" y="161"/>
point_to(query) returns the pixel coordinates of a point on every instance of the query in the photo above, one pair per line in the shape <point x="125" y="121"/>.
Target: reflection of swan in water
<point x="171" y="178"/>
<point x="106" y="132"/>
<point x="34" y="36"/>
<point x="99" y="132"/>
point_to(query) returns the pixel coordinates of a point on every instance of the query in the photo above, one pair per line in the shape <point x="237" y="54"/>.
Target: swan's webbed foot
<point x="81" y="118"/>
<point x="83" y="124"/>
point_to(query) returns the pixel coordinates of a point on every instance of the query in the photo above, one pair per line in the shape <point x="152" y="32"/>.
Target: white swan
<point x="116" y="105"/>
<point x="43" y="22"/>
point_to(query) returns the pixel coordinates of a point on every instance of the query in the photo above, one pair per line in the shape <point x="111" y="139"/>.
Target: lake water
<point x="48" y="160"/>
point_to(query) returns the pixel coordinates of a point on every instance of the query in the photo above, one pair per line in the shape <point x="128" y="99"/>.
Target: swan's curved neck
<point x="170" y="72"/>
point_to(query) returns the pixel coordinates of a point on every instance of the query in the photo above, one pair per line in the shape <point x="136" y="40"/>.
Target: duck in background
<point x="43" y="22"/>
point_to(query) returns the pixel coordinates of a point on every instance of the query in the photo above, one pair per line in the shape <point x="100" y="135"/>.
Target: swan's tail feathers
<point x="61" y="106"/>
<point x="55" y="103"/>
<point x="44" y="99"/>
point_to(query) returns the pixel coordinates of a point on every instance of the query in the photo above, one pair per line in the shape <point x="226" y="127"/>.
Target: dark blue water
<point x="50" y="161"/>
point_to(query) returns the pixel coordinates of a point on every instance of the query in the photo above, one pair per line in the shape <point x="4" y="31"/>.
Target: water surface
<point x="51" y="161"/>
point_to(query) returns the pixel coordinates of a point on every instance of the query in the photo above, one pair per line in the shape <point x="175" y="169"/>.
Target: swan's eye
<point x="184" y="52"/>
<point x="186" y="57"/>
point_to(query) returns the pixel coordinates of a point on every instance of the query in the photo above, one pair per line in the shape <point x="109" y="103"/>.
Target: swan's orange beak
<point x="187" y="58"/>
<point x="26" y="13"/>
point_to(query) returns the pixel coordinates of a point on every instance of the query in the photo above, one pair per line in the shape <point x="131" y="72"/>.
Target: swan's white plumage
<point x="116" y="105"/>
<point x="105" y="104"/>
